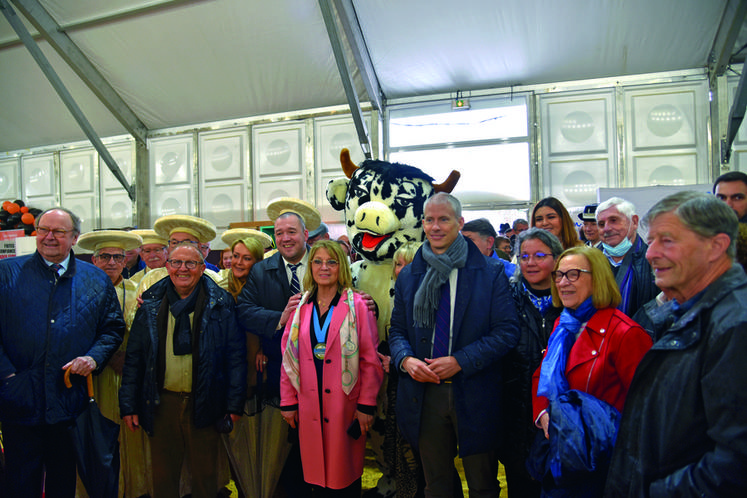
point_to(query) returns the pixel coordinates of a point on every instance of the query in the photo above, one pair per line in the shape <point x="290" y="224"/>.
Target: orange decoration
<point x="13" y="208"/>
<point x="27" y="218"/>
<point x="25" y="209"/>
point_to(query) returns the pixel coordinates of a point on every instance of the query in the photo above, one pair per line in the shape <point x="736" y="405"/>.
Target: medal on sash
<point x="321" y="333"/>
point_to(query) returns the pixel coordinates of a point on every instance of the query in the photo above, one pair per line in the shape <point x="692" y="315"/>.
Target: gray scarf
<point x="439" y="267"/>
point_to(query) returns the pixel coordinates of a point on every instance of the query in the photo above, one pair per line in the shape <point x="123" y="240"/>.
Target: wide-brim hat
<point x="589" y="213"/>
<point x="202" y="230"/>
<point x="309" y="213"/>
<point x="93" y="241"/>
<point x="151" y="237"/>
<point x="232" y="235"/>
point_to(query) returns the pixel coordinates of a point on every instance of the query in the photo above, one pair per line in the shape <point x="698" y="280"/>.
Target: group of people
<point x="611" y="368"/>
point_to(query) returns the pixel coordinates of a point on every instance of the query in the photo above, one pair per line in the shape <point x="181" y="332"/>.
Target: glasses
<point x="331" y="263"/>
<point x="174" y="242"/>
<point x="177" y="263"/>
<point x="538" y="256"/>
<point x="118" y="258"/>
<point x="571" y="275"/>
<point x="57" y="233"/>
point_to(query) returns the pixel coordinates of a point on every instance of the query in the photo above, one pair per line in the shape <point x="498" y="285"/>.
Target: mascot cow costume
<point x="383" y="205"/>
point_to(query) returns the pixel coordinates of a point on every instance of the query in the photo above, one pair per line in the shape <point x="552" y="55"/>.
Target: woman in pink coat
<point x="331" y="374"/>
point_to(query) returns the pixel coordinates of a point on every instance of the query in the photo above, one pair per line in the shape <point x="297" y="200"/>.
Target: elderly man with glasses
<point x="184" y="378"/>
<point x="176" y="229"/>
<point x="56" y="312"/>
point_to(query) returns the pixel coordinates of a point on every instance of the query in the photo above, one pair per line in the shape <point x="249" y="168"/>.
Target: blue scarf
<point x="552" y="381"/>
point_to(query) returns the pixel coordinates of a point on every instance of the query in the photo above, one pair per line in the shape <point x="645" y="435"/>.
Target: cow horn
<point x="449" y="184"/>
<point x="348" y="167"/>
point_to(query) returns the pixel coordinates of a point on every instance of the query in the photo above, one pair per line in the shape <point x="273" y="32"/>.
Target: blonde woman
<point x="331" y="374"/>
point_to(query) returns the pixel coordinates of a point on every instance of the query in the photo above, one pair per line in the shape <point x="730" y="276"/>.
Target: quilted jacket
<point x="43" y="325"/>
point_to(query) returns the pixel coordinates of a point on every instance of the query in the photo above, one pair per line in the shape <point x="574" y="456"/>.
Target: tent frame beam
<point x="64" y="94"/>
<point x="78" y="62"/>
<point x="349" y="21"/>
<point x="328" y="14"/>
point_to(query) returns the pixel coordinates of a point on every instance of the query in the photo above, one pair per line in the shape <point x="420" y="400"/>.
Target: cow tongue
<point x="371" y="241"/>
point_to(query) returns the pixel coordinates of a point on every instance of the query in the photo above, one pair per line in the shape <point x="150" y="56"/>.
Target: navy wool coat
<point x="485" y="329"/>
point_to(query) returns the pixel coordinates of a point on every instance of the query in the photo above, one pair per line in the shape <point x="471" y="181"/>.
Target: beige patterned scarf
<point x="348" y="345"/>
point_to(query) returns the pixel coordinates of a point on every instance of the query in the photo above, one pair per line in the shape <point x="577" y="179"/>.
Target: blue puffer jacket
<point x="43" y="325"/>
<point x="219" y="363"/>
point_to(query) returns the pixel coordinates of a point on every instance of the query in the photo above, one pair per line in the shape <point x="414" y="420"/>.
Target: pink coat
<point x="331" y="458"/>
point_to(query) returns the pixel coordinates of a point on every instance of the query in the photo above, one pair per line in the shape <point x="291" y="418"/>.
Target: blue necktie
<point x="294" y="284"/>
<point x="443" y="315"/>
<point x="56" y="267"/>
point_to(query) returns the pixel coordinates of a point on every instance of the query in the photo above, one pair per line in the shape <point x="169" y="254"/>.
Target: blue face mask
<point x="619" y="250"/>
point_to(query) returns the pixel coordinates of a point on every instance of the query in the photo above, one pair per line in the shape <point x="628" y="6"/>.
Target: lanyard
<point x="321" y="333"/>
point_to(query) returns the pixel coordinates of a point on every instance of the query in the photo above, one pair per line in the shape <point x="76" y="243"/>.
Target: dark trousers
<point x="39" y="453"/>
<point x="438" y="441"/>
<point x="352" y="491"/>
<point x="175" y="438"/>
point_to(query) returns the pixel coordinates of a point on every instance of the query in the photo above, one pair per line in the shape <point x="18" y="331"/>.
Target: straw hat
<point x="151" y="237"/>
<point x="311" y="217"/>
<point x="93" y="241"/>
<point x="232" y="235"/>
<point x="202" y="230"/>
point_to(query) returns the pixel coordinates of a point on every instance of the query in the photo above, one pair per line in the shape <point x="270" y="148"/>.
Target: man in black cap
<point x="590" y="228"/>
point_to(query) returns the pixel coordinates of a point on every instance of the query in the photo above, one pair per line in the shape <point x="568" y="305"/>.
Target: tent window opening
<point x="488" y="144"/>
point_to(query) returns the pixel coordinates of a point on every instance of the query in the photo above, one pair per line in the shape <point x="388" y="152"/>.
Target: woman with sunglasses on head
<point x="581" y="385"/>
<point x="536" y="251"/>
<point x="550" y="214"/>
<point x="331" y="374"/>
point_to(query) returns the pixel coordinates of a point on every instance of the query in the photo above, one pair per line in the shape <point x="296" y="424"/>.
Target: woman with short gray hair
<point x="536" y="250"/>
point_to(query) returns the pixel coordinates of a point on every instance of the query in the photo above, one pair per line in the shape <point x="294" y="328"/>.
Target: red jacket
<point x="603" y="359"/>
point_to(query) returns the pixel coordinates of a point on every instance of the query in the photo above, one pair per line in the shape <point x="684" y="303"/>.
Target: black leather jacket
<point x="684" y="426"/>
<point x="219" y="362"/>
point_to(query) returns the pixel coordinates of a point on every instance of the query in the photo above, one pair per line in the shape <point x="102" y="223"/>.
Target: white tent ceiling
<point x="177" y="62"/>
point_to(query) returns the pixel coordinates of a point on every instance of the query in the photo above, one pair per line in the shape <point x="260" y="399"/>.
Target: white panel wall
<point x="77" y="177"/>
<point x="224" y="158"/>
<point x="579" y="148"/>
<point x="666" y="134"/>
<point x="170" y="162"/>
<point x="278" y="164"/>
<point x="331" y="135"/>
<point x="663" y="136"/>
<point x="116" y="206"/>
<point x="10" y="188"/>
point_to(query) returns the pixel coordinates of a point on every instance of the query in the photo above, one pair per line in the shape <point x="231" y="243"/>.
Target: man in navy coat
<point x="453" y="321"/>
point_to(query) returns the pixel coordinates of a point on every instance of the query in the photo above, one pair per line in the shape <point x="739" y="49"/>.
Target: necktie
<point x="443" y="315"/>
<point x="295" y="285"/>
<point x="56" y="267"/>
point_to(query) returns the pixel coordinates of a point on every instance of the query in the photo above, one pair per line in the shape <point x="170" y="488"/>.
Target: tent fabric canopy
<point x="178" y="63"/>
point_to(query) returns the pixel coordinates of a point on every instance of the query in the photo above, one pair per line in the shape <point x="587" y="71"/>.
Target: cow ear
<point x="336" y="191"/>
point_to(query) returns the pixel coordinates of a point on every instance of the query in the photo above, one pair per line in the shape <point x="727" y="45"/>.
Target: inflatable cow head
<point x="383" y="204"/>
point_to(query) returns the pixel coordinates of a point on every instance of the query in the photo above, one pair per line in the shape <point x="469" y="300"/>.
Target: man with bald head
<point x="56" y="313"/>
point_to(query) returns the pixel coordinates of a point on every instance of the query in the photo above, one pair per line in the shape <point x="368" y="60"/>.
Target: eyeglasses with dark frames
<point x="118" y="258"/>
<point x="572" y="275"/>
